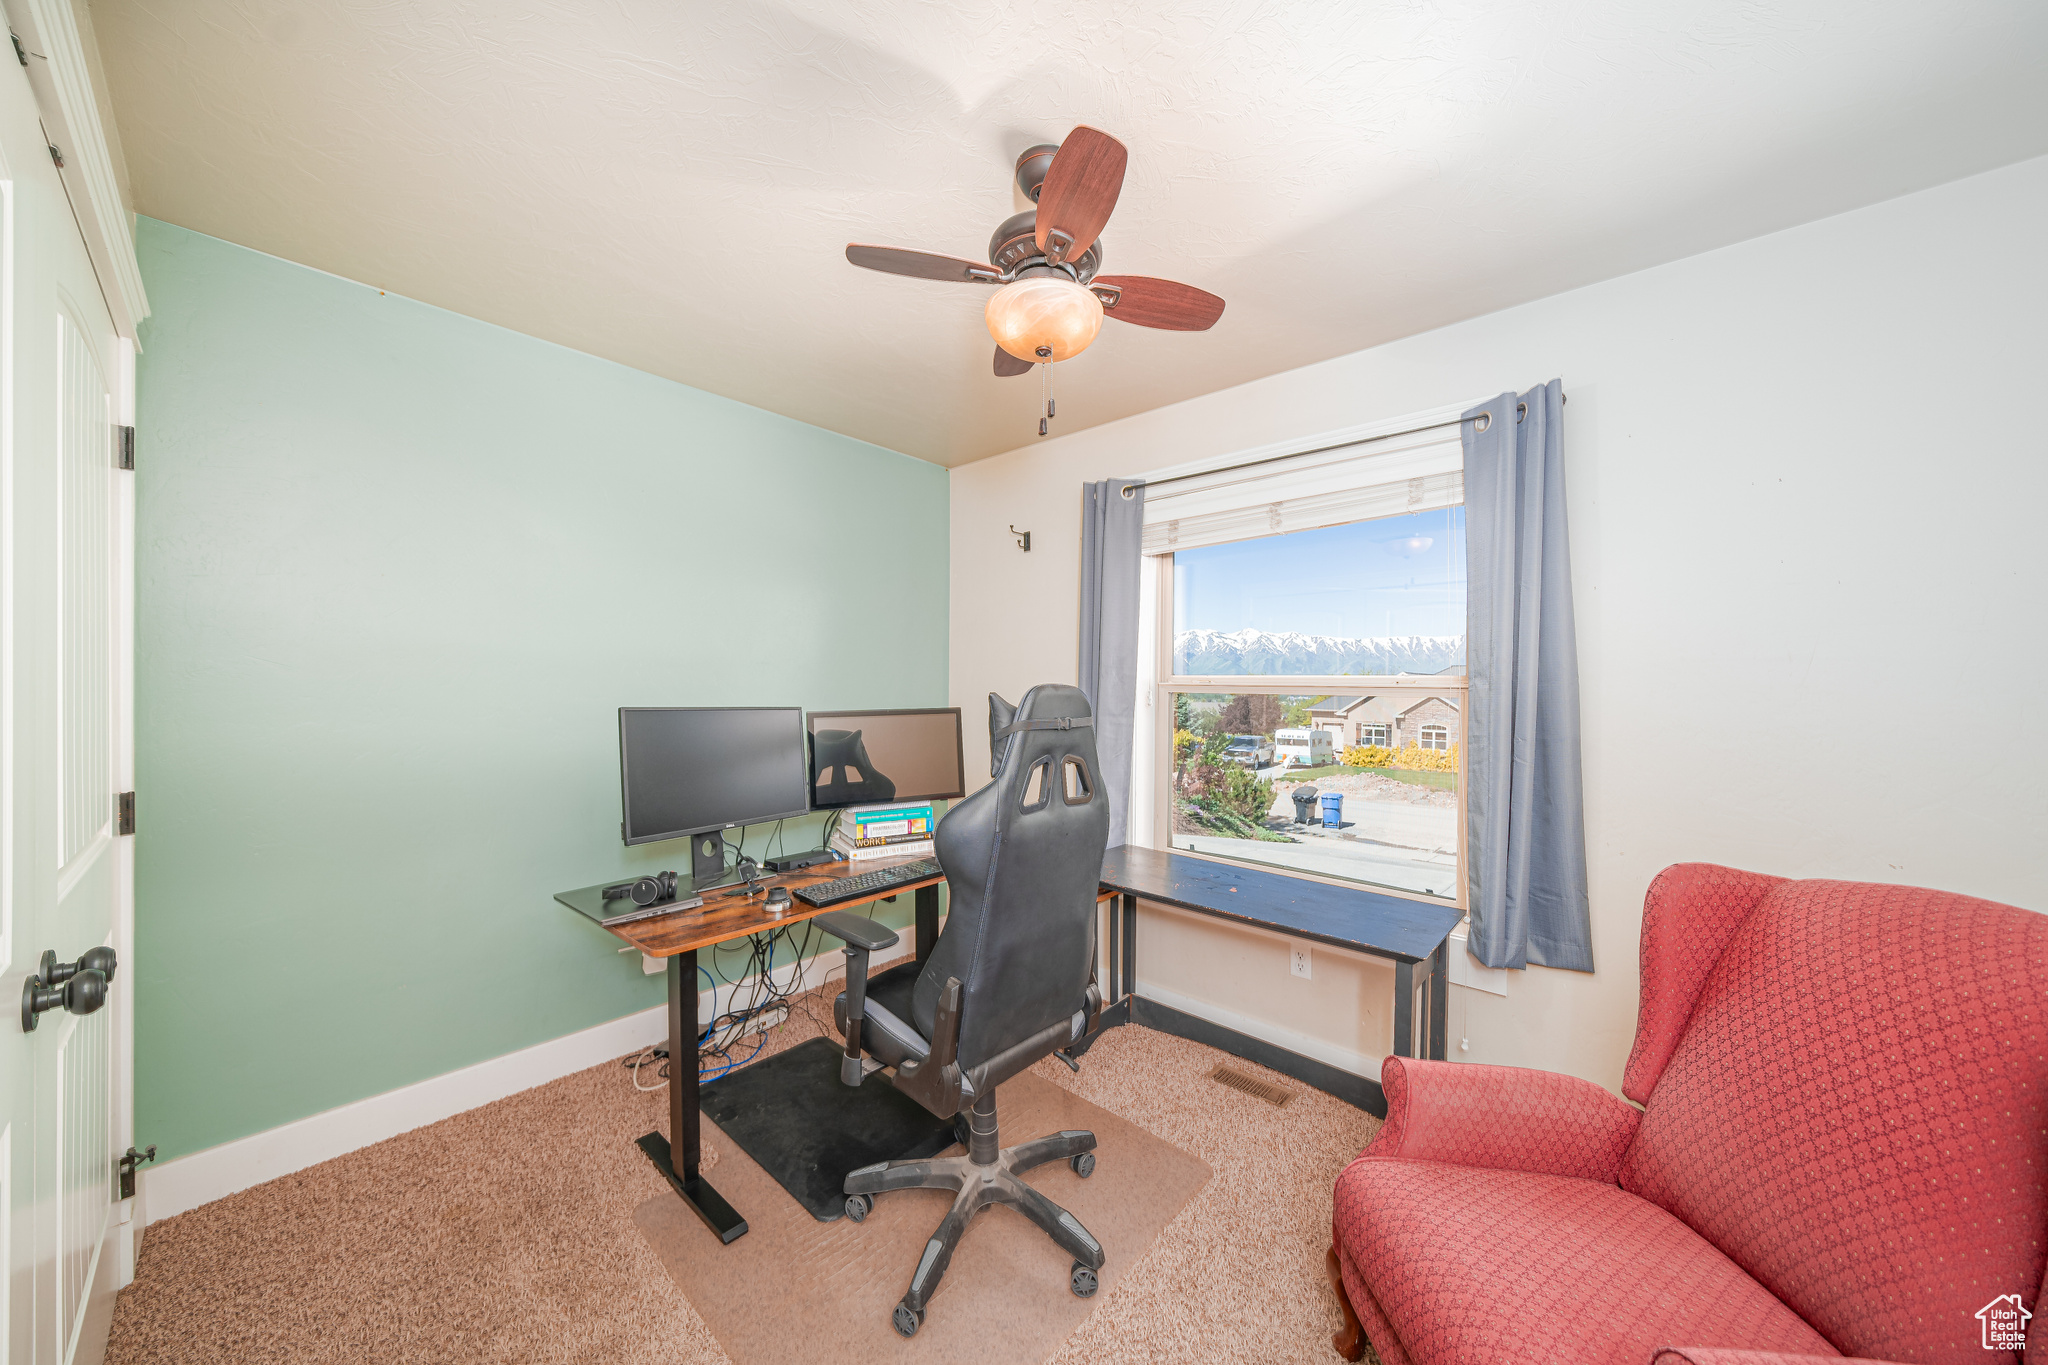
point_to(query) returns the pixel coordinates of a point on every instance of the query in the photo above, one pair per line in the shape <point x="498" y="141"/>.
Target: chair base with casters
<point x="986" y="1176"/>
<point x="989" y="1174"/>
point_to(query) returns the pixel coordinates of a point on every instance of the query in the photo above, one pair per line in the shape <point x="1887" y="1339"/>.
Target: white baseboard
<point x="202" y="1177"/>
<point x="1344" y="1059"/>
<point x="189" y="1181"/>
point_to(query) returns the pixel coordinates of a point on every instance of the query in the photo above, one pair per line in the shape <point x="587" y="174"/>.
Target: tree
<point x="1183" y="712"/>
<point x="1296" y="716"/>
<point x="1252" y="713"/>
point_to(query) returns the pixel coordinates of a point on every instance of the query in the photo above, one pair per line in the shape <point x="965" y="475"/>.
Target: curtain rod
<point x="1129" y="488"/>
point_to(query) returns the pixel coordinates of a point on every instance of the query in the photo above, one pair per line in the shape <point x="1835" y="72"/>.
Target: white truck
<point x="1304" y="748"/>
<point x="1251" y="751"/>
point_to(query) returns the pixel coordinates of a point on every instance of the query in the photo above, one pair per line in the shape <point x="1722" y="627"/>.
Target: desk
<point x="724" y="916"/>
<point x="1410" y="933"/>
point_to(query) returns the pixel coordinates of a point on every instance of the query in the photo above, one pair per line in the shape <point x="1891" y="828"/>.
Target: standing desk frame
<point x="727" y="914"/>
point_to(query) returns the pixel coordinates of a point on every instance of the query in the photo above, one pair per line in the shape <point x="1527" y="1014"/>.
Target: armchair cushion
<point x="1473" y="1265"/>
<point x="1502" y="1117"/>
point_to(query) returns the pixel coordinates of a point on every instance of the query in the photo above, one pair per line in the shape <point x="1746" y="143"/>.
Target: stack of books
<point x="900" y="829"/>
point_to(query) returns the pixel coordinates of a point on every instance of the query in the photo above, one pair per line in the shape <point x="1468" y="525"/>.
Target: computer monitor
<point x="697" y="770"/>
<point x="862" y="758"/>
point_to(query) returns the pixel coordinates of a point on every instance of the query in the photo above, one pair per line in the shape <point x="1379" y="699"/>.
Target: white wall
<point x="1807" y="478"/>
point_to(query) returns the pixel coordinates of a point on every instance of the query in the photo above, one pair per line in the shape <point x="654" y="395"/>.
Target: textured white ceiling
<point x="671" y="184"/>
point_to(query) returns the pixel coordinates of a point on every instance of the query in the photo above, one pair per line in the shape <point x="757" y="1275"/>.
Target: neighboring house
<point x="1394" y="719"/>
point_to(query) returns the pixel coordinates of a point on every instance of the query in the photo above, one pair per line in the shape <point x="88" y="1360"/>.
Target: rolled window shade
<point x="1321" y="492"/>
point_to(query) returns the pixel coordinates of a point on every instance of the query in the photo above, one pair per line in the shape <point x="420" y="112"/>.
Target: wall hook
<point x="1023" y="538"/>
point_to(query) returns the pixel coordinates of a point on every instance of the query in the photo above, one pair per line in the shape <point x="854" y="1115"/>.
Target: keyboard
<point x="866" y="884"/>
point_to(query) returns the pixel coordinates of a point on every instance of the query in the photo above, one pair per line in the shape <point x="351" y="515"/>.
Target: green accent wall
<point x="396" y="570"/>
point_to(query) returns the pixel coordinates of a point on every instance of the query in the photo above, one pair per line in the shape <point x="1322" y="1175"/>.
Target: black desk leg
<point x="1130" y="953"/>
<point x="684" y="1118"/>
<point x="1404" y="1009"/>
<point x="927" y="921"/>
<point x="1440" y="1001"/>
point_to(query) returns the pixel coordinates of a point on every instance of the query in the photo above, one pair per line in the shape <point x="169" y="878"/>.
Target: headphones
<point x="646" y="891"/>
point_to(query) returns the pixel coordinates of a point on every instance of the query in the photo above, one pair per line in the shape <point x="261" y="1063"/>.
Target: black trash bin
<point x="1304" y="805"/>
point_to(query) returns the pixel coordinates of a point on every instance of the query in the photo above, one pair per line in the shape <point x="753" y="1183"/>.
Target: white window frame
<point x="1382" y="734"/>
<point x="1436" y="731"/>
<point x="1293" y="493"/>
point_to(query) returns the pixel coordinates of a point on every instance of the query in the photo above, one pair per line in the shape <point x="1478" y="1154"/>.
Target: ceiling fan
<point x="1049" y="302"/>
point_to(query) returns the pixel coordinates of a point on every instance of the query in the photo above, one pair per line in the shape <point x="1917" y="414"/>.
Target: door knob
<point x="80" y="986"/>
<point x="55" y="973"/>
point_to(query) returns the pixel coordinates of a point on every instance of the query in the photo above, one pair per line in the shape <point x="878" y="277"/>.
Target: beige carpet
<point x="1006" y="1295"/>
<point x="506" y="1234"/>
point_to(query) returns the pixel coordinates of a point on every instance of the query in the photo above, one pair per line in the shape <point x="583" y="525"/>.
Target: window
<point x="1349" y="627"/>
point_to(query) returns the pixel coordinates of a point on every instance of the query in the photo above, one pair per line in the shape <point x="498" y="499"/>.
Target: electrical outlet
<point x="1299" y="963"/>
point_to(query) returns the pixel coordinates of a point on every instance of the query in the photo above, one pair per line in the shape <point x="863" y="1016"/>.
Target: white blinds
<point x="1382" y="479"/>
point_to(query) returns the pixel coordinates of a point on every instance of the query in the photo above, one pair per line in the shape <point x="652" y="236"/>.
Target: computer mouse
<point x="778" y="899"/>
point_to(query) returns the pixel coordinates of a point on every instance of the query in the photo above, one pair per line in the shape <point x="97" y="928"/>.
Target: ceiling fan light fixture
<point x="1049" y="311"/>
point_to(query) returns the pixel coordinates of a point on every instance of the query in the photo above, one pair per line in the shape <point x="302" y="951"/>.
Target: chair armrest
<point x="861" y="936"/>
<point x="1502" y="1117"/>
<point x="858" y="930"/>
<point x="1733" y="1355"/>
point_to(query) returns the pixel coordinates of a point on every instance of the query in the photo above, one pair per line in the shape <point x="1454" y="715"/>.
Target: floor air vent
<point x="1275" y="1095"/>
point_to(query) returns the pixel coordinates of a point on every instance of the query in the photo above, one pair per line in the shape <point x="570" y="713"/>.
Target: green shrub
<point x="1412" y="756"/>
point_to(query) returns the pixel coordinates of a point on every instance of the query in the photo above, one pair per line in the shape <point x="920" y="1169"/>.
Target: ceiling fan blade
<point x="1080" y="189"/>
<point x="920" y="265"/>
<point x="1157" y="303"/>
<point x="1008" y="365"/>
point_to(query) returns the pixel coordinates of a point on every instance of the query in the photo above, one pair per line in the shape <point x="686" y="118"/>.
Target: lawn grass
<point x="1421" y="777"/>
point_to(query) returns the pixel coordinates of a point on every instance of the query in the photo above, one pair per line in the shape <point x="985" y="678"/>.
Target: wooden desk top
<point x="729" y="912"/>
<point x="1344" y="917"/>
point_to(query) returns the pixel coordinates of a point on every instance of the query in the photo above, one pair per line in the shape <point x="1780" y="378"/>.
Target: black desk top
<point x="1344" y="917"/>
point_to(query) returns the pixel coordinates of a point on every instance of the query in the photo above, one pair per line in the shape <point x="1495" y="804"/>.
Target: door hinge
<point x="124" y="447"/>
<point x="124" y="1168"/>
<point x="124" y="813"/>
<point x="20" y="52"/>
<point x="56" y="156"/>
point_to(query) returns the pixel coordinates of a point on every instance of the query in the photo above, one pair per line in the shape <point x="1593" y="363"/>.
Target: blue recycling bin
<point x="1333" y="810"/>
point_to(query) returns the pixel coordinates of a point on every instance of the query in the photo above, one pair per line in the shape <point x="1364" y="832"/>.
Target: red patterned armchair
<point x="1843" y="1148"/>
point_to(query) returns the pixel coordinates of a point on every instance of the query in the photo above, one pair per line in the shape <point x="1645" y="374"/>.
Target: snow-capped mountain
<point x="1257" y="653"/>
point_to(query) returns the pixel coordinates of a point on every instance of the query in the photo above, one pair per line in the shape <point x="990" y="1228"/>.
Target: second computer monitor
<point x="861" y="758"/>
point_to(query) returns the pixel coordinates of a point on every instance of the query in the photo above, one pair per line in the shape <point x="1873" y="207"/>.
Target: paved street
<point x="1393" y="843"/>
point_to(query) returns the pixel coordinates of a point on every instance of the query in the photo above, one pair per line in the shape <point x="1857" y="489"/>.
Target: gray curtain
<point x="1527" y="831"/>
<point x="1111" y="526"/>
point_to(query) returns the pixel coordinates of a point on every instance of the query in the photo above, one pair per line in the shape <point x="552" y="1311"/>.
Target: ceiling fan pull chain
<point x="1044" y="390"/>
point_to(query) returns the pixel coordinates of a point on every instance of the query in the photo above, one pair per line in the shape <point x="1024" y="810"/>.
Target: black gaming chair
<point x="1007" y="983"/>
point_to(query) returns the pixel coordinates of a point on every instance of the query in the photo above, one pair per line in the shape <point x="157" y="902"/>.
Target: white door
<point x="65" y="633"/>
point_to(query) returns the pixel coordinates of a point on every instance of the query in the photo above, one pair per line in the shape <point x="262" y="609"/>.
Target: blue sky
<point x="1369" y="578"/>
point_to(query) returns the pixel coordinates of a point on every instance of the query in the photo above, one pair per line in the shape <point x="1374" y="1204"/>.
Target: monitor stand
<point x="707" y="860"/>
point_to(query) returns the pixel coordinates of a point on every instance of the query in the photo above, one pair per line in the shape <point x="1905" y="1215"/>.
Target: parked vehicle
<point x="1252" y="751"/>
<point x="1304" y="748"/>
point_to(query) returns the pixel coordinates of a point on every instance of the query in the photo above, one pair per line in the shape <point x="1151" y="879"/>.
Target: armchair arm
<point x="1731" y="1355"/>
<point x="861" y="936"/>
<point x="1503" y="1117"/>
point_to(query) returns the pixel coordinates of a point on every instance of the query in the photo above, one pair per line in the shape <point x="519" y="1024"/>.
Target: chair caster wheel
<point x="907" y="1320"/>
<point x="1084" y="1164"/>
<point x="1083" y="1281"/>
<point x="857" y="1206"/>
